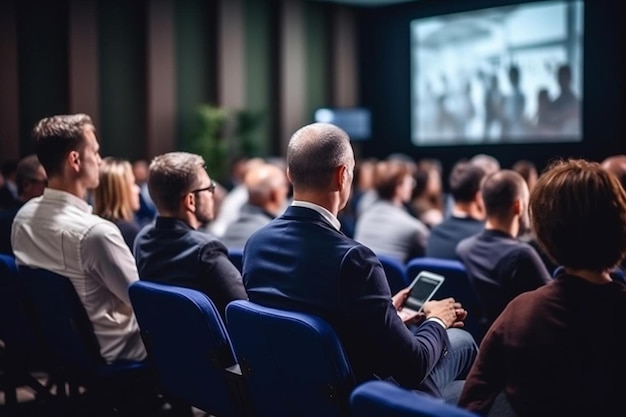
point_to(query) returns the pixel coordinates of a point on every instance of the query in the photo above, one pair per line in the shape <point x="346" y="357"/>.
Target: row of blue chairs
<point x="400" y="276"/>
<point x="268" y="363"/>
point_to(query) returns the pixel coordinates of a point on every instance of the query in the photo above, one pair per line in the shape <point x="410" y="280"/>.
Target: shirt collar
<point x="65" y="197"/>
<point x="327" y="215"/>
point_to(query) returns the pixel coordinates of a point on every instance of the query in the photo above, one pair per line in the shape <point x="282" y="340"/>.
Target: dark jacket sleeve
<point x="223" y="280"/>
<point x="391" y="348"/>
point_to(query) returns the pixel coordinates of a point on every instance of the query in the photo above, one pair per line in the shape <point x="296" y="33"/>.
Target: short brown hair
<point x="388" y="175"/>
<point x="578" y="213"/>
<point x="500" y="189"/>
<point x="171" y="176"/>
<point x="57" y="136"/>
<point x="112" y="197"/>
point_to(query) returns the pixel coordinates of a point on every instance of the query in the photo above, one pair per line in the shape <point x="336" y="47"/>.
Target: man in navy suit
<point x="302" y="261"/>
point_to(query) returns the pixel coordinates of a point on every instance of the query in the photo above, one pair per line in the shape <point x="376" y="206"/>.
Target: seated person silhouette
<point x="555" y="351"/>
<point x="301" y="261"/>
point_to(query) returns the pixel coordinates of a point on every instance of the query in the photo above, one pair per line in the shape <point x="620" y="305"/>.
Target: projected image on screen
<point x="503" y="75"/>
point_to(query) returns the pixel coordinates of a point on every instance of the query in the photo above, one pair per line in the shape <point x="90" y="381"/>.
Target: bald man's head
<point x="267" y="186"/>
<point x="616" y="165"/>
<point x="314" y="152"/>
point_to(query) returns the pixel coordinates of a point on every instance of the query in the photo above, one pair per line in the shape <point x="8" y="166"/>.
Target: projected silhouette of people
<point x="513" y="123"/>
<point x="493" y="108"/>
<point x="565" y="109"/>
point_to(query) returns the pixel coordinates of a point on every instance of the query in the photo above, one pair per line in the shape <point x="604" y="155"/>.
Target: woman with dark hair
<point x="557" y="350"/>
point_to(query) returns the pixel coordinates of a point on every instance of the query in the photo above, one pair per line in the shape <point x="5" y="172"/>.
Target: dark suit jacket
<point x="171" y="252"/>
<point x="300" y="262"/>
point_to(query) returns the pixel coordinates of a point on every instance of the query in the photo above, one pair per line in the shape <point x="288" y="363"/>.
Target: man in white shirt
<point x="58" y="232"/>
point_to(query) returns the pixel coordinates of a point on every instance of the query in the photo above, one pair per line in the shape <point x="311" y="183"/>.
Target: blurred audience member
<point x="147" y="211"/>
<point x="528" y="171"/>
<point x="9" y="198"/>
<point x="172" y="251"/>
<point x="556" y="351"/>
<point x="467" y="215"/>
<point x="427" y="200"/>
<point x="487" y="162"/>
<point x="267" y="198"/>
<point x="231" y="204"/>
<point x="616" y="165"/>
<point x="117" y="197"/>
<point x="31" y="180"/>
<point x="386" y="226"/>
<point x="500" y="266"/>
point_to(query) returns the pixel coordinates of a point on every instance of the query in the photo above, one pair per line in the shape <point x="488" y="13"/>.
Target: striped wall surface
<point x="142" y="68"/>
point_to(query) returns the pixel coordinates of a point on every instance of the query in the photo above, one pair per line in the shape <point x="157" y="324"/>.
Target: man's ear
<point x="73" y="160"/>
<point x="341" y="177"/>
<point x="189" y="202"/>
<point x="517" y="206"/>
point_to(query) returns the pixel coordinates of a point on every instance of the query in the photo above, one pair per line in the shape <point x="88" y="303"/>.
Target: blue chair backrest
<point x="61" y="321"/>
<point x="293" y="362"/>
<point x="15" y="328"/>
<point x="187" y="343"/>
<point x="384" y="399"/>
<point x="236" y="257"/>
<point x="457" y="285"/>
<point x="395" y="272"/>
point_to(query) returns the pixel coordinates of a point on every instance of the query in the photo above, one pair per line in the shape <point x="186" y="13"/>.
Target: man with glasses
<point x="31" y="180"/>
<point x="172" y="250"/>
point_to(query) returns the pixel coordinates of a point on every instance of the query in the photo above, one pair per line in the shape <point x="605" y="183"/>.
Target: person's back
<point x="556" y="350"/>
<point x="500" y="266"/>
<point x="301" y="261"/>
<point x="172" y="250"/>
<point x="467" y="214"/>
<point x="57" y="232"/>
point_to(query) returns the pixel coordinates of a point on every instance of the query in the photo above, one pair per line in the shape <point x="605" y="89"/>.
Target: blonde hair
<point x="112" y="198"/>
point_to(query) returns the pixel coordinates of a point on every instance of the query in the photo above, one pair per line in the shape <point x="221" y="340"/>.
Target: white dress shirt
<point x="57" y="232"/>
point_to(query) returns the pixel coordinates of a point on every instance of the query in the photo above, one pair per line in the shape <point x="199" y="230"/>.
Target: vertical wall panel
<point x="345" y="71"/>
<point x="9" y="115"/>
<point x="259" y="67"/>
<point x="292" y="71"/>
<point x="122" y="56"/>
<point x="231" y="81"/>
<point x="161" y="106"/>
<point x="42" y="63"/>
<point x="318" y="65"/>
<point x="83" y="56"/>
<point x="195" y="57"/>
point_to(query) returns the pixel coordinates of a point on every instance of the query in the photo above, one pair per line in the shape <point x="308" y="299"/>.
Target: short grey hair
<point x="171" y="175"/>
<point x="314" y="151"/>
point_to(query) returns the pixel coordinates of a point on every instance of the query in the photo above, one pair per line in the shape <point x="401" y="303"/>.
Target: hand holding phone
<point x="421" y="290"/>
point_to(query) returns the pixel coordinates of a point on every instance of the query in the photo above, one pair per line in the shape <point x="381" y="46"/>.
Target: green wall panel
<point x="195" y="63"/>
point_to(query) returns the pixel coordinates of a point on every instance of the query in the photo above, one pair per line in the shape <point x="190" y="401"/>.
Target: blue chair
<point x="456" y="285"/>
<point x="395" y="272"/>
<point x="21" y="354"/>
<point x="293" y="362"/>
<point x="190" y="348"/>
<point x="61" y="323"/>
<point x="384" y="399"/>
<point x="236" y="257"/>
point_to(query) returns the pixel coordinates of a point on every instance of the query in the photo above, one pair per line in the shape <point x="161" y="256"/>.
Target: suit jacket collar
<point x="307" y="214"/>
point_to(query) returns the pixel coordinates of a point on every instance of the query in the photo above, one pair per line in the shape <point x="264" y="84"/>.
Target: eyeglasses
<point x="210" y="188"/>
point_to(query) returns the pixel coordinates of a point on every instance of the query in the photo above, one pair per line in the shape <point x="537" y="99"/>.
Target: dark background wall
<point x="384" y="67"/>
<point x="108" y="58"/>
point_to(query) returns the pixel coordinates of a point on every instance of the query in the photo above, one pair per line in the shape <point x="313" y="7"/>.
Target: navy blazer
<point x="301" y="262"/>
<point x="172" y="252"/>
